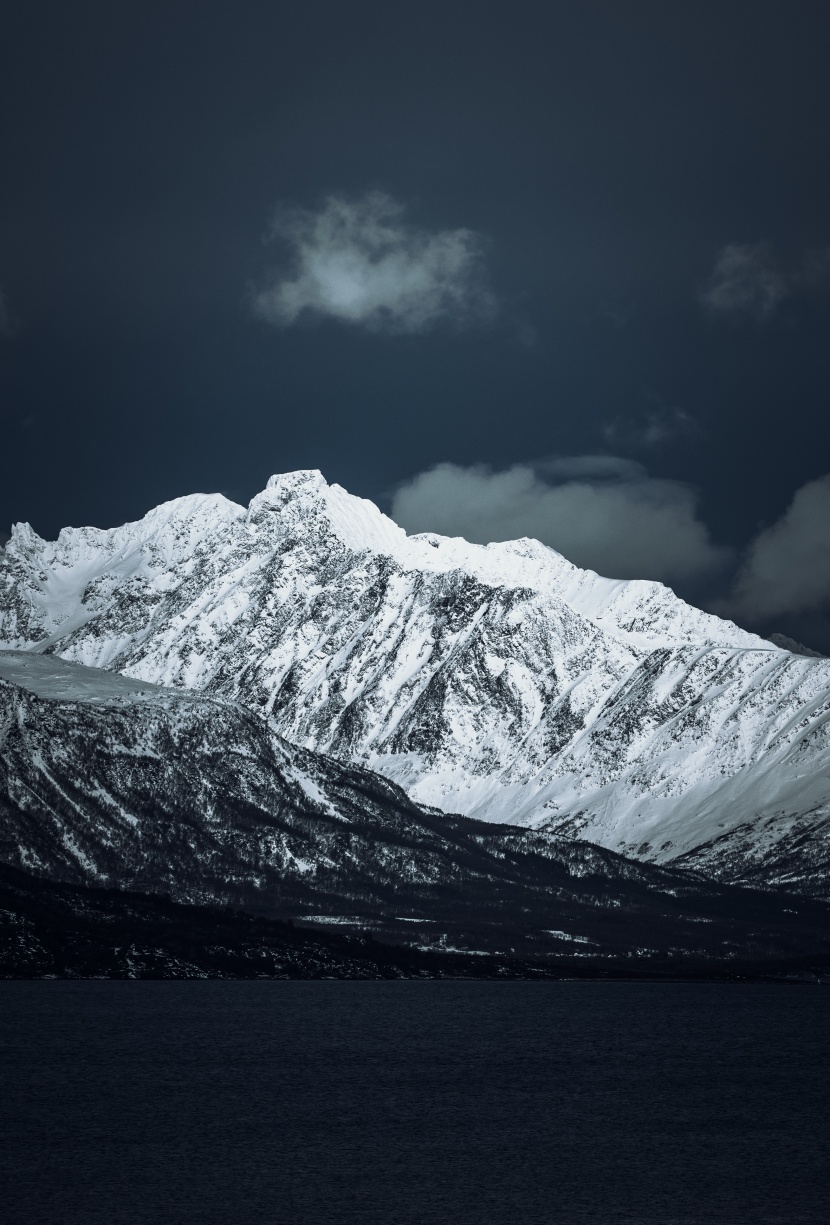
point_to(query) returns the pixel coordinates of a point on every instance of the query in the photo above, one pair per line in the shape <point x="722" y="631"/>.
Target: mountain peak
<point x="302" y="479"/>
<point x="305" y="498"/>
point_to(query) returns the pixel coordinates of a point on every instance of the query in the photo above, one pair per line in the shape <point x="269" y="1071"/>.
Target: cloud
<point x="752" y="281"/>
<point x="745" y="281"/>
<point x="659" y="428"/>
<point x="787" y="566"/>
<point x="360" y="261"/>
<point x="601" y="512"/>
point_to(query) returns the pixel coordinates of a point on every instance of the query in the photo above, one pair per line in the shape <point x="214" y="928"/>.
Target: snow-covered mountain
<point x="115" y="783"/>
<point x="496" y="681"/>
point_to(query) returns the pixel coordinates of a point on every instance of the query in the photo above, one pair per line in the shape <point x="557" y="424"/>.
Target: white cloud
<point x="601" y="512"/>
<point x="745" y="280"/>
<point x="359" y="261"/>
<point x="787" y="566"/>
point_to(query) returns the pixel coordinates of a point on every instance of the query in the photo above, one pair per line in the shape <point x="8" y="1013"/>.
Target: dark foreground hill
<point x="118" y="785"/>
<point x="49" y="930"/>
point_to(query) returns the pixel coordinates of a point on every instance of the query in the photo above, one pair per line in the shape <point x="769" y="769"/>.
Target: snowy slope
<point x="498" y="681"/>
<point x="107" y="783"/>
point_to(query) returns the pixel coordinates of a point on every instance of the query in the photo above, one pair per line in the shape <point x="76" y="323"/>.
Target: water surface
<point x="413" y="1103"/>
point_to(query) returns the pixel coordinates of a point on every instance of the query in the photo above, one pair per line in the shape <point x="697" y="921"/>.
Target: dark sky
<point x="616" y="215"/>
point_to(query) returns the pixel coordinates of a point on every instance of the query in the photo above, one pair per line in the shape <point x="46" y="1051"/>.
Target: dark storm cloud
<point x="753" y="281"/>
<point x="359" y="261"/>
<point x="607" y="152"/>
<point x="655" y="429"/>
<point x="602" y="512"/>
<point x="787" y="566"/>
<point x="745" y="281"/>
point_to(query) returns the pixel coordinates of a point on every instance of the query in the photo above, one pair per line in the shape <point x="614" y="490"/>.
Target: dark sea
<point x="407" y="1103"/>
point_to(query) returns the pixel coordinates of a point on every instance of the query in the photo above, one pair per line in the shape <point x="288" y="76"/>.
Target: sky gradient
<point x="559" y="269"/>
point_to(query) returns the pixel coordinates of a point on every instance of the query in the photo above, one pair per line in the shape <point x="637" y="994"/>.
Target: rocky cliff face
<point x="500" y="682"/>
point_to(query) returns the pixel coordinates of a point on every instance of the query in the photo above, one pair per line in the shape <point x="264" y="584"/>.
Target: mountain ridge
<point x="498" y="681"/>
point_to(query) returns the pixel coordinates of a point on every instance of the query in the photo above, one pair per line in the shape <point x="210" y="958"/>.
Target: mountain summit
<point x="496" y="681"/>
